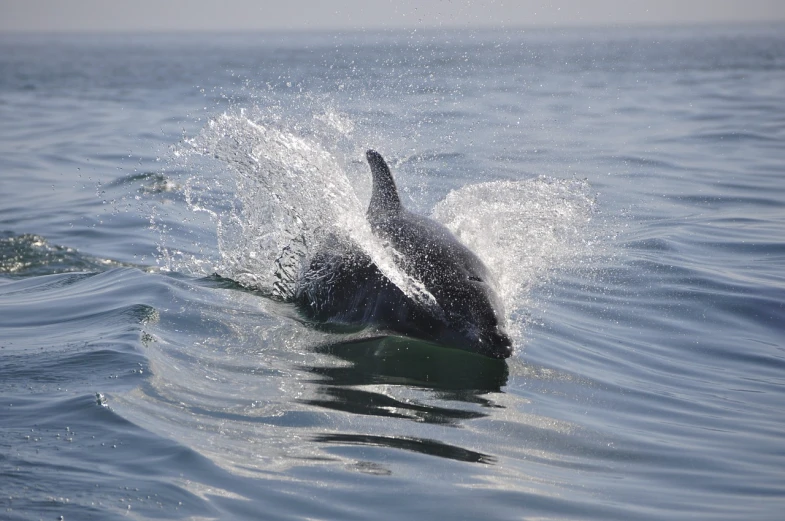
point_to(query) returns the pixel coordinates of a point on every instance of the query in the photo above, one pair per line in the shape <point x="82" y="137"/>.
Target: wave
<point x="29" y="255"/>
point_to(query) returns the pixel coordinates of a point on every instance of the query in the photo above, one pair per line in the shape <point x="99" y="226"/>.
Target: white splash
<point x="291" y="191"/>
<point x="522" y="230"/>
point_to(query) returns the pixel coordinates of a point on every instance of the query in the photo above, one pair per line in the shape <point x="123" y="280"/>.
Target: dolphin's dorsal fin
<point x="384" y="195"/>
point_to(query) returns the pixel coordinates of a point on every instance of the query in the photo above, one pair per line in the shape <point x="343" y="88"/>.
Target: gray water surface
<point x="633" y="211"/>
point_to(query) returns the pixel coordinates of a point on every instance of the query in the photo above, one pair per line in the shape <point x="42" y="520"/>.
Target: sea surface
<point x="158" y="194"/>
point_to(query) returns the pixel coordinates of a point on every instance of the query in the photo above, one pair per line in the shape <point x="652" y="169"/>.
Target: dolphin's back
<point x="430" y="251"/>
<point x="415" y="236"/>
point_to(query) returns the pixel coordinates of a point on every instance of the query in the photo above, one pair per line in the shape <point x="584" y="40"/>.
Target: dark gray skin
<point x="342" y="286"/>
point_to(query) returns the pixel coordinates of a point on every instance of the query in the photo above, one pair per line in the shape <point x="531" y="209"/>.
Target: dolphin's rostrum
<point x="341" y="285"/>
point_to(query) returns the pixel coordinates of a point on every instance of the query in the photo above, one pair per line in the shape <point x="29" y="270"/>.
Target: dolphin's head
<point x="475" y="318"/>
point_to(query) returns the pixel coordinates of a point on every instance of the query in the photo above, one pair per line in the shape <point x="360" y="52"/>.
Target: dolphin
<point x="342" y="286"/>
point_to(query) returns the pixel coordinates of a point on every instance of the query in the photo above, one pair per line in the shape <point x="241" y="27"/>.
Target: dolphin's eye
<point x="475" y="278"/>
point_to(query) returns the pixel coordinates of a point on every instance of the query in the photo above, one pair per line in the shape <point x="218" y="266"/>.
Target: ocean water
<point x="158" y="194"/>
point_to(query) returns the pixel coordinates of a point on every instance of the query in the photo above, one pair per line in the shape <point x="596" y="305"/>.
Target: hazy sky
<point x="164" y="15"/>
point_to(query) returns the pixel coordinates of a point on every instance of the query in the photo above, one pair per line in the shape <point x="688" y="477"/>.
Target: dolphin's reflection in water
<point x="414" y="366"/>
<point x="421" y="445"/>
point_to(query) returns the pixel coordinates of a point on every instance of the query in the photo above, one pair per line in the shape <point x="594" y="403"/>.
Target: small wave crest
<point x="31" y="255"/>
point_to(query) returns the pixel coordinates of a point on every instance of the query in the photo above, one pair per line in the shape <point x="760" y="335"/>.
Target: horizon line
<point x="401" y="28"/>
